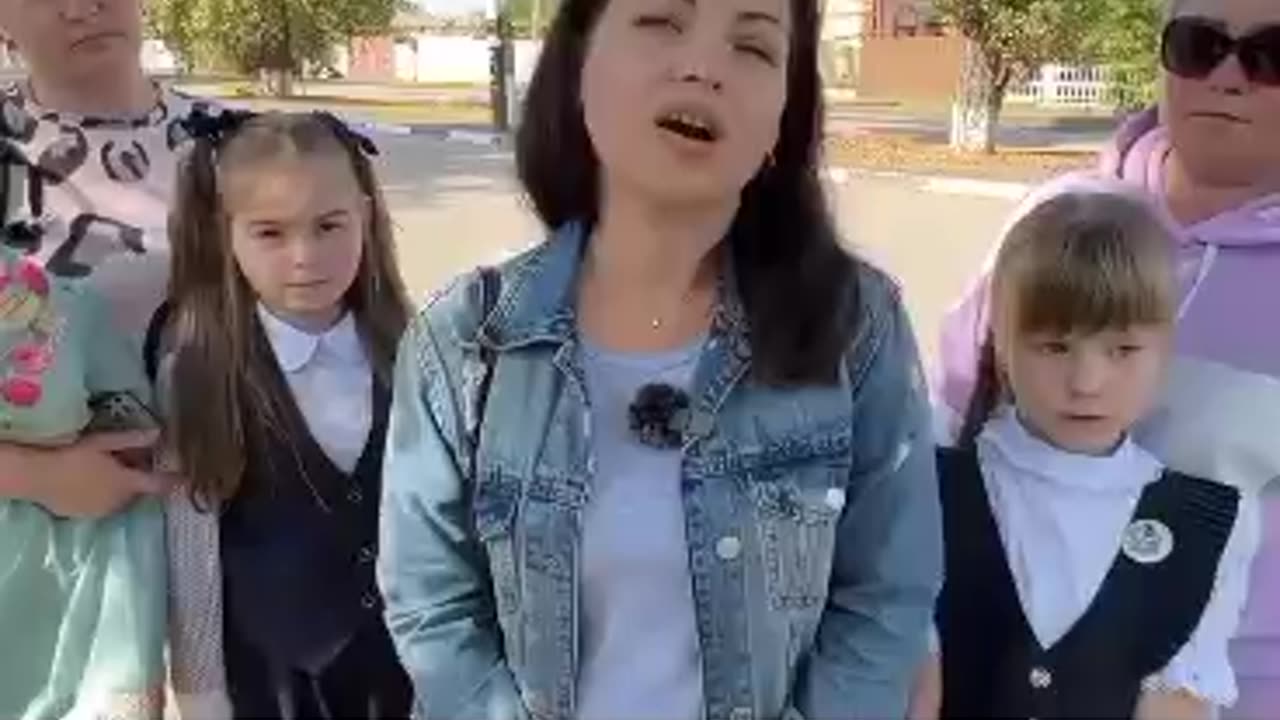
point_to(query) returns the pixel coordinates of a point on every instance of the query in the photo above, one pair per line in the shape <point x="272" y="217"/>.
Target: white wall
<point x="445" y="59"/>
<point x="527" y="52"/>
<point x="342" y="59"/>
<point x="405" y="61"/>
<point x="843" y="20"/>
<point x="156" y="58"/>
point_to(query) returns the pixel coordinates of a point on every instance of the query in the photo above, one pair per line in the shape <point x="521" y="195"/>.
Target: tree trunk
<point x="500" y="58"/>
<point x="279" y="82"/>
<point x="976" y="110"/>
<point x="995" y="106"/>
<point x="280" y="76"/>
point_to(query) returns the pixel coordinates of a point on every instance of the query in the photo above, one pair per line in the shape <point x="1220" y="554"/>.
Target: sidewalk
<point x="868" y="134"/>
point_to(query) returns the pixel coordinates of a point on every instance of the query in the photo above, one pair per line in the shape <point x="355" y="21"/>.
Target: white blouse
<point x="331" y="381"/>
<point x="1061" y="517"/>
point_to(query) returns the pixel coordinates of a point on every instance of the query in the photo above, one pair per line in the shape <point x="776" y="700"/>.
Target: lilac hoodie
<point x="1222" y="416"/>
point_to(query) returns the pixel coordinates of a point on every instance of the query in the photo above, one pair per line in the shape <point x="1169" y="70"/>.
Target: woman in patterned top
<point x="82" y="600"/>
<point x="91" y="146"/>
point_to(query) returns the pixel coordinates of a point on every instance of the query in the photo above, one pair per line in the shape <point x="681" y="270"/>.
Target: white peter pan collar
<point x="295" y="348"/>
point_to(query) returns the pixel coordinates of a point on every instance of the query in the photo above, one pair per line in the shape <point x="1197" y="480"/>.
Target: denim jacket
<point x="829" y="492"/>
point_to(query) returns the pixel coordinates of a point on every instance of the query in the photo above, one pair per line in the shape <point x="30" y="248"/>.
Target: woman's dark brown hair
<point x="797" y="283"/>
<point x="225" y="386"/>
<point x="1083" y="261"/>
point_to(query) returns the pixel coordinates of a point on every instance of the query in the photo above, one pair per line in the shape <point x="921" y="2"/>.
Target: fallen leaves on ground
<point x="898" y="153"/>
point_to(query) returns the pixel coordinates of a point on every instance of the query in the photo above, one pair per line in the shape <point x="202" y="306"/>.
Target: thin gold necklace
<point x="657" y="322"/>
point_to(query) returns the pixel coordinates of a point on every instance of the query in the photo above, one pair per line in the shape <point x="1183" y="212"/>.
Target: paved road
<point x="1020" y="128"/>
<point x="1063" y="134"/>
<point x="457" y="205"/>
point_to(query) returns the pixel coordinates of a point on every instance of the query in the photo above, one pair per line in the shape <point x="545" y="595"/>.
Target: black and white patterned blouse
<point x="89" y="196"/>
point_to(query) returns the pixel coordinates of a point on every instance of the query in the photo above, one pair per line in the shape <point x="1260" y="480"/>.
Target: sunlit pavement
<point x="456" y="204"/>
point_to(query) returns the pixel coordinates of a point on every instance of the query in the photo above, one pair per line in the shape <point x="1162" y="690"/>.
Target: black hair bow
<point x="218" y="128"/>
<point x="215" y="128"/>
<point x="346" y="134"/>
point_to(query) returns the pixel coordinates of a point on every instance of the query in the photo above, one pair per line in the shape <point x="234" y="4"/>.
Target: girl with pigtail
<point x="285" y="308"/>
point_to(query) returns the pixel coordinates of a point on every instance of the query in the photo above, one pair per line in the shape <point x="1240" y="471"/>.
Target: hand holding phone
<point x="121" y="411"/>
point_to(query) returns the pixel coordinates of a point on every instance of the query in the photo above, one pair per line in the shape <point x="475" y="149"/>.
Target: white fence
<point x="1064" y="86"/>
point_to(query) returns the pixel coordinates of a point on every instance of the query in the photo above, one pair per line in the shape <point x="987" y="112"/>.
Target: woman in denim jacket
<point x="675" y="461"/>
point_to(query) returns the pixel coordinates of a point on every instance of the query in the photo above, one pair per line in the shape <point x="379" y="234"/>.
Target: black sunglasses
<point x="1193" y="47"/>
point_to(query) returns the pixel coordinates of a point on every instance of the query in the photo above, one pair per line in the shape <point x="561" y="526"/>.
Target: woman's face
<point x="1225" y="125"/>
<point x="75" y="40"/>
<point x="682" y="98"/>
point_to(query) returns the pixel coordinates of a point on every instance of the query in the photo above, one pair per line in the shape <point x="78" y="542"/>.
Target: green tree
<point x="1127" y="41"/>
<point x="178" y="24"/>
<point x="531" y="18"/>
<point x="1008" y="41"/>
<point x="275" y="37"/>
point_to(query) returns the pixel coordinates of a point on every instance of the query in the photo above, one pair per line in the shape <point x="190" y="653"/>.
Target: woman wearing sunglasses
<point x="1211" y="154"/>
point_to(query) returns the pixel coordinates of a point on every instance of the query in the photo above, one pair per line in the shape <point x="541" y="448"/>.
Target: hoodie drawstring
<point x="1207" y="259"/>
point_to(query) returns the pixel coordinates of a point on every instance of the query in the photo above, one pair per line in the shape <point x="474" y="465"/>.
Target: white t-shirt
<point x="640" y="654"/>
<point x="97" y="190"/>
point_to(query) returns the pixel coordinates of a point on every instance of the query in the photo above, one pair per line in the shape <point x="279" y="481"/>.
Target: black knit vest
<point x="992" y="664"/>
<point x="299" y="543"/>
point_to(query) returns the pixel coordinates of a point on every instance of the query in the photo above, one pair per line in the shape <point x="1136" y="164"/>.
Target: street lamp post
<point x="501" y="65"/>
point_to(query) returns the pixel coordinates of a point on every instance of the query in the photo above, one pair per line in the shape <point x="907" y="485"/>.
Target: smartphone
<point x="121" y="411"/>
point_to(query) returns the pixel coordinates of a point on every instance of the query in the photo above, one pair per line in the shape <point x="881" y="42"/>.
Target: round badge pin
<point x="1147" y="542"/>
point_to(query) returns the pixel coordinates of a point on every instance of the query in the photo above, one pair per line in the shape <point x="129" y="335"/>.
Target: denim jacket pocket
<point x="798" y="511"/>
